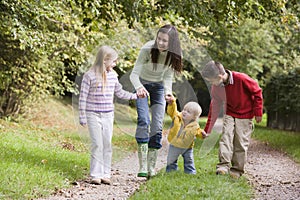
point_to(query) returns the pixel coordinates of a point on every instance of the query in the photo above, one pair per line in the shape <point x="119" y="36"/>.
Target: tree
<point x="45" y="43"/>
<point x="282" y="101"/>
<point x="42" y="44"/>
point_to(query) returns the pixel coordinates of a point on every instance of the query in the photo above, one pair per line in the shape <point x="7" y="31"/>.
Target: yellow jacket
<point x="180" y="136"/>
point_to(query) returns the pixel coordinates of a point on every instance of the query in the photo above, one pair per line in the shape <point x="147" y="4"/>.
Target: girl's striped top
<point x="94" y="99"/>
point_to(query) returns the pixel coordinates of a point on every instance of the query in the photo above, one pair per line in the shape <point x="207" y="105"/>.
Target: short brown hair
<point x="212" y="70"/>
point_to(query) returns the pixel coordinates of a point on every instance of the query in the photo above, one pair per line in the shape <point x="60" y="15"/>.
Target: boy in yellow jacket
<point x="184" y="129"/>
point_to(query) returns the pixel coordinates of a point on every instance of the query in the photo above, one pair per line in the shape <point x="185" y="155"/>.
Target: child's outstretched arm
<point x="172" y="107"/>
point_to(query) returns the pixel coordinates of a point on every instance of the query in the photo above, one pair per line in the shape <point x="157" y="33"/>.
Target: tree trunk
<point x="284" y="121"/>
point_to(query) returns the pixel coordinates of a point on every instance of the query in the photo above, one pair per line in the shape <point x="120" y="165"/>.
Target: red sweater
<point x="242" y="98"/>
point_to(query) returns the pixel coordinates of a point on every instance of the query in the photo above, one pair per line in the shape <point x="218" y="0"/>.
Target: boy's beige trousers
<point x="234" y="144"/>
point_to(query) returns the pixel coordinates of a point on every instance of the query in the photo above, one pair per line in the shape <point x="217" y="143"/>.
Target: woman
<point x="152" y="77"/>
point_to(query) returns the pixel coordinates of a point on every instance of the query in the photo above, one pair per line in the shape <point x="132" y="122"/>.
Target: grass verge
<point x="204" y="185"/>
<point x="285" y="141"/>
<point x="48" y="152"/>
<point x="35" y="161"/>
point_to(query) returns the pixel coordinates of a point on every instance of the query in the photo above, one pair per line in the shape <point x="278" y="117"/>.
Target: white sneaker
<point x="96" y="181"/>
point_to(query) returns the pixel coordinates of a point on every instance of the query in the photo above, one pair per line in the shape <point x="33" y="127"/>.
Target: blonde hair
<point x="195" y="107"/>
<point x="105" y="53"/>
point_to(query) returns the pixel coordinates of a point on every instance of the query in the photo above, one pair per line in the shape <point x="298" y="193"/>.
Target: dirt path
<point x="125" y="181"/>
<point x="273" y="175"/>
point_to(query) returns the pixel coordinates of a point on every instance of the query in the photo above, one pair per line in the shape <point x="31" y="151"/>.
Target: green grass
<point x="34" y="162"/>
<point x="285" y="141"/>
<point x="48" y="151"/>
<point x="204" y="185"/>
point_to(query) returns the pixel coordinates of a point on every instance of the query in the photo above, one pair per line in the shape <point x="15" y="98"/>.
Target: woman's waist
<point x="150" y="81"/>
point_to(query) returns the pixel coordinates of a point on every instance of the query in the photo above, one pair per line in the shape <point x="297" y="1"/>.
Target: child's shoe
<point x="234" y="175"/>
<point x="96" y="181"/>
<point x="106" y="181"/>
<point x="221" y="171"/>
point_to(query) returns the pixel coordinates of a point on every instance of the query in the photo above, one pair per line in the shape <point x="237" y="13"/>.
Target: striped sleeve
<point x="85" y="86"/>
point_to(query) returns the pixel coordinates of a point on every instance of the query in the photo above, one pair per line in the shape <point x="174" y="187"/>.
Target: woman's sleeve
<point x="137" y="69"/>
<point x="168" y="80"/>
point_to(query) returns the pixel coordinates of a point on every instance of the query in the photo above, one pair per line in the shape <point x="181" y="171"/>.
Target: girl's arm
<point x="122" y="94"/>
<point x="84" y="91"/>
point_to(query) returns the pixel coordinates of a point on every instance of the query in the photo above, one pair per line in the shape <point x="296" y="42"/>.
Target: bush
<point x="282" y="101"/>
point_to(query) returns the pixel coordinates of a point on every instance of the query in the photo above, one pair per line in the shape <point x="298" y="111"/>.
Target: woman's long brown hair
<point x="174" y="56"/>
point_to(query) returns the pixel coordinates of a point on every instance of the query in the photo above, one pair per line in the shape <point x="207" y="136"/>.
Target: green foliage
<point x="43" y="44"/>
<point x="252" y="47"/>
<point x="258" y="38"/>
<point x="282" y="92"/>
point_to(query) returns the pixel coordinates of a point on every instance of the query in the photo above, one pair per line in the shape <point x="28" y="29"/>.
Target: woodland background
<point x="45" y="45"/>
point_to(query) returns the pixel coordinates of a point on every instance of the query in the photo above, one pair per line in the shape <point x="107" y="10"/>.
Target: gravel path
<point x="124" y="179"/>
<point x="272" y="173"/>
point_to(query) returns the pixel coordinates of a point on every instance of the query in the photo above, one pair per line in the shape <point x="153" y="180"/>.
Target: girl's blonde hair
<point x="105" y="53"/>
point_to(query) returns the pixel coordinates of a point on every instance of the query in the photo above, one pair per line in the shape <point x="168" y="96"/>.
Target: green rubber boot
<point x="152" y="157"/>
<point x="142" y="154"/>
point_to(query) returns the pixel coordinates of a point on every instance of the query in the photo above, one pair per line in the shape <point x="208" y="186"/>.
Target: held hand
<point x="169" y="98"/>
<point x="204" y="134"/>
<point x="142" y="92"/>
<point x="258" y="119"/>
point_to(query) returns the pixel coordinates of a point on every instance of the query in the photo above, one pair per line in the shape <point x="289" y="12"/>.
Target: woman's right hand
<point x="142" y="92"/>
<point x="169" y="98"/>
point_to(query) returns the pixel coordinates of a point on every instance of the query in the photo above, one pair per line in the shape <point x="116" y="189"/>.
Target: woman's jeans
<point x="188" y="159"/>
<point x="146" y="131"/>
<point x="100" y="127"/>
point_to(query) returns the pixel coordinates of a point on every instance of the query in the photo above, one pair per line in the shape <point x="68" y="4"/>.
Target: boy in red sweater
<point x="242" y="99"/>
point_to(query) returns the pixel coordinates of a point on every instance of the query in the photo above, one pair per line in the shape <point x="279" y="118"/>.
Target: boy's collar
<point x="229" y="79"/>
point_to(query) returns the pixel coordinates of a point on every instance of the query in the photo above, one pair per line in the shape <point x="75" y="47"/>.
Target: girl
<point x="152" y="78"/>
<point x="99" y="85"/>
